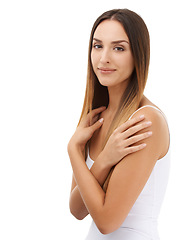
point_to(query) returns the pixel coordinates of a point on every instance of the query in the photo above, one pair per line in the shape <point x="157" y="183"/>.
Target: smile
<point x="106" y="70"/>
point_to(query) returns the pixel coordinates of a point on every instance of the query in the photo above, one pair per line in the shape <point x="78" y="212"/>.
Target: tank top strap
<point x="150" y="107"/>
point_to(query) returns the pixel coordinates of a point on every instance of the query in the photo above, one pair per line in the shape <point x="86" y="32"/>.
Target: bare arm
<point x="104" y="163"/>
<point x="126" y="183"/>
<point x="100" y="171"/>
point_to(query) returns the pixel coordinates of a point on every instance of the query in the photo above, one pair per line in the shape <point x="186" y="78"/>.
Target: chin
<point x="112" y="82"/>
<point x="106" y="83"/>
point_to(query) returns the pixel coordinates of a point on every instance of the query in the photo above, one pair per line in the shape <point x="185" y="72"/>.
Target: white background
<point x="43" y="65"/>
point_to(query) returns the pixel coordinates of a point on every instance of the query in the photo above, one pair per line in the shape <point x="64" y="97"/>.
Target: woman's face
<point x="111" y="55"/>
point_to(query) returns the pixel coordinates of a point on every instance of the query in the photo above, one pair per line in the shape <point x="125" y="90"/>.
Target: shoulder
<point x="149" y="111"/>
<point x="160" y="137"/>
<point x="157" y="145"/>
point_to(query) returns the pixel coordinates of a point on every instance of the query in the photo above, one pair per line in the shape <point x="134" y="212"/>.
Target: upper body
<point x="132" y="173"/>
<point x="118" y="67"/>
<point x="142" y="219"/>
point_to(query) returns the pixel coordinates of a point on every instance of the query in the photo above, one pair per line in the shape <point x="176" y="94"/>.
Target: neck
<point x="114" y="100"/>
<point x="115" y="95"/>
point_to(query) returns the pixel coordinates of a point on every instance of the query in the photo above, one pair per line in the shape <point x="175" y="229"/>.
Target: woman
<point x="120" y="150"/>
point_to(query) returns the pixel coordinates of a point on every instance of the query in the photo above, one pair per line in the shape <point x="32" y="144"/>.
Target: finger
<point x="132" y="130"/>
<point x="129" y="123"/>
<point x="96" y="125"/>
<point x="94" y="119"/>
<point x="95" y="112"/>
<point x="134" y="149"/>
<point x="137" y="138"/>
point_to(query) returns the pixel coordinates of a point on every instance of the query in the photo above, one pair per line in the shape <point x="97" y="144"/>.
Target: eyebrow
<point x="113" y="42"/>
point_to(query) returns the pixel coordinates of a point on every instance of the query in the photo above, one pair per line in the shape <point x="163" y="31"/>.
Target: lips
<point x="106" y="70"/>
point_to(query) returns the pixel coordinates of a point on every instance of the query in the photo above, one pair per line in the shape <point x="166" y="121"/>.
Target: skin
<point x="107" y="54"/>
<point x="134" y="161"/>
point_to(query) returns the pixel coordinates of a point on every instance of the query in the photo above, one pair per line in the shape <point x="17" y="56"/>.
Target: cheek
<point x="126" y="63"/>
<point x="93" y="59"/>
<point x="130" y="63"/>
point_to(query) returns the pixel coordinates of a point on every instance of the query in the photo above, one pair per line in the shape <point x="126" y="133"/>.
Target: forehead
<point x="110" y="30"/>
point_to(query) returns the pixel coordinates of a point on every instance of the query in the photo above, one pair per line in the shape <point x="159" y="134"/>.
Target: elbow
<point x="77" y="215"/>
<point x="107" y="222"/>
<point x="106" y="227"/>
<point x="104" y="230"/>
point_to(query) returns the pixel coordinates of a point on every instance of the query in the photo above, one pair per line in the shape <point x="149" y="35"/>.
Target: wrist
<point x="74" y="147"/>
<point x="100" y="169"/>
<point x="104" y="161"/>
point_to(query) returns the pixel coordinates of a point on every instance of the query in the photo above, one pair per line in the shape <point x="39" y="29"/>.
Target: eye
<point x="120" y="49"/>
<point x="97" y="46"/>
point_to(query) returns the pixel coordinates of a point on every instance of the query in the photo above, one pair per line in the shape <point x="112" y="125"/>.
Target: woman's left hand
<point x="86" y="129"/>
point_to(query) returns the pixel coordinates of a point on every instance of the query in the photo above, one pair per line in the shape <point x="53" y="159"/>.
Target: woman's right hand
<point x="122" y="140"/>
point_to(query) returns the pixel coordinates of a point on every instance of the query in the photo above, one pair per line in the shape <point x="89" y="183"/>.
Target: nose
<point x="105" y="56"/>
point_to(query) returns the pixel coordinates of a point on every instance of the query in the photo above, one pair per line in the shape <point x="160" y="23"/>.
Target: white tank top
<point x="141" y="222"/>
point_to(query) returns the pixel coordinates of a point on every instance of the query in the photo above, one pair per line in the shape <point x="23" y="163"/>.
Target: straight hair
<point x="96" y="95"/>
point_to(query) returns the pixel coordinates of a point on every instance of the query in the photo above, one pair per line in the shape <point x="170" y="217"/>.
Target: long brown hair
<point x="96" y="95"/>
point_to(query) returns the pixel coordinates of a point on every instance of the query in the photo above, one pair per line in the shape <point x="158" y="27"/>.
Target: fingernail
<point x="150" y="133"/>
<point x="149" y="123"/>
<point x="141" y="117"/>
<point x="101" y="120"/>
